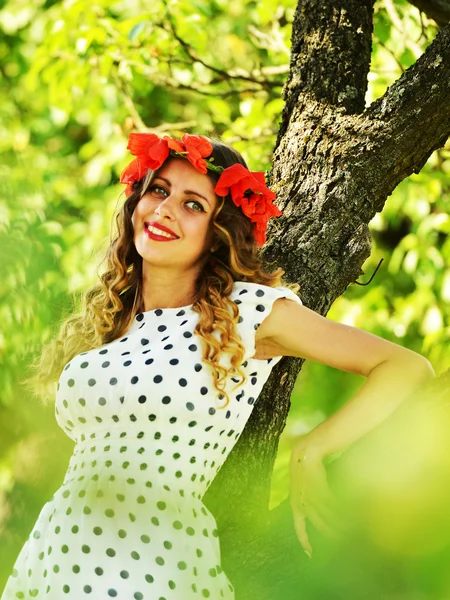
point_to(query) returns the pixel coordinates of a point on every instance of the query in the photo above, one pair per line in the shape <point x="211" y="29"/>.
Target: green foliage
<point x="76" y="77"/>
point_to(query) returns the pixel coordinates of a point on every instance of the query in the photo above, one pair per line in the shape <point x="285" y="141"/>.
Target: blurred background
<point x="75" y="78"/>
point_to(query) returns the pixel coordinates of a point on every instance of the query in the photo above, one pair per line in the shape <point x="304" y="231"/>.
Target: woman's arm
<point x="393" y="373"/>
<point x="291" y="329"/>
<point x="387" y="385"/>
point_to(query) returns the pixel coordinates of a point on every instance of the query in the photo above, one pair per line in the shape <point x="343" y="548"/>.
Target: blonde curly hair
<point x="109" y="307"/>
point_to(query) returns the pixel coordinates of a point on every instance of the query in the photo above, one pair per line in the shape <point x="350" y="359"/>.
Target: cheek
<point x="134" y="218"/>
<point x="142" y="208"/>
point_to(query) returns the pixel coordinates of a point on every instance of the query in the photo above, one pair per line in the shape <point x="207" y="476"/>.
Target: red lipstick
<point x="161" y="226"/>
<point x="160" y="238"/>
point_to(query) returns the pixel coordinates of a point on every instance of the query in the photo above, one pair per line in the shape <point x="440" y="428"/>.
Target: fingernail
<point x="308" y="553"/>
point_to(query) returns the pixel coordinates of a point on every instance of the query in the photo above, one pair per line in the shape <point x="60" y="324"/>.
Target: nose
<point x="165" y="208"/>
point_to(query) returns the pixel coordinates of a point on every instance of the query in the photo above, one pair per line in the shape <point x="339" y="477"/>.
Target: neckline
<point x="170" y="308"/>
<point x="152" y="310"/>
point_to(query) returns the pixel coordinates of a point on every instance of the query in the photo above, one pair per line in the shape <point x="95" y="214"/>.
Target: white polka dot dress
<point x="128" y="521"/>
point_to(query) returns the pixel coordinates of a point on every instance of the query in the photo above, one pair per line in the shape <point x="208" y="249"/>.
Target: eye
<point x="157" y="187"/>
<point x="160" y="190"/>
<point x="198" y="204"/>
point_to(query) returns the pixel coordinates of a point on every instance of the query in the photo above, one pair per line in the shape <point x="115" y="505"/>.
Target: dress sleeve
<point x="255" y="302"/>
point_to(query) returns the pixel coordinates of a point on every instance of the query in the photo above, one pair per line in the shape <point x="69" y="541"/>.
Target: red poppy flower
<point x="132" y="172"/>
<point x="151" y="152"/>
<point x="174" y="144"/>
<point x="197" y="148"/>
<point x="150" y="148"/>
<point x="258" y="206"/>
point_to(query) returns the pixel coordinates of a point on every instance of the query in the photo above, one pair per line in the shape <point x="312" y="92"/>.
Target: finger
<point x="322" y="494"/>
<point x="315" y="487"/>
<point x="300" y="529"/>
<point x="315" y="501"/>
<point x="328" y="513"/>
<point x="321" y="524"/>
<point x="326" y="500"/>
<point x="332" y="520"/>
<point x="320" y="490"/>
<point x="321" y="500"/>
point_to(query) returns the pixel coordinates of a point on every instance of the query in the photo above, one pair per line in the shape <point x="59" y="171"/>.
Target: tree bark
<point x="335" y="163"/>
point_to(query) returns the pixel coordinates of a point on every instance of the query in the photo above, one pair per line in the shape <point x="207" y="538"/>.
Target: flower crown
<point x="151" y="151"/>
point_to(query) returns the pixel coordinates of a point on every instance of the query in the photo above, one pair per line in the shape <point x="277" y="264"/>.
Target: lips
<point x="161" y="227"/>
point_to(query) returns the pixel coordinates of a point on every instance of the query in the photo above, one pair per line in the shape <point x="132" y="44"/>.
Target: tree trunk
<point x="334" y="164"/>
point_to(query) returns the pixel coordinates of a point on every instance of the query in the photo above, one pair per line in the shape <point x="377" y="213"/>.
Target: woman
<point x="159" y="375"/>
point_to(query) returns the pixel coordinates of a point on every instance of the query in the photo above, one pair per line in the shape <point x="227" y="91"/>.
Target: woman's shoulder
<point x="249" y="292"/>
<point x="255" y="302"/>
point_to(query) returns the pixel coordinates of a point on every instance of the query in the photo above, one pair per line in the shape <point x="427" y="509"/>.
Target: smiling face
<point x="183" y="200"/>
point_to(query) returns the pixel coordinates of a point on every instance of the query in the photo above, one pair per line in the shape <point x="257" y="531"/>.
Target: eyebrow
<point x="185" y="191"/>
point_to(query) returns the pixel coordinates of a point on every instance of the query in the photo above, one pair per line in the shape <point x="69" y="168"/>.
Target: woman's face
<point x="183" y="200"/>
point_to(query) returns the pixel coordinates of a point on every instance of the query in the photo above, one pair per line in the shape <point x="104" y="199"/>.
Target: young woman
<point x="160" y="373"/>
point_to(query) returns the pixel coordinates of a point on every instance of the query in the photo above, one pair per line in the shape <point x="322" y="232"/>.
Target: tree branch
<point x="439" y="10"/>
<point x="158" y="78"/>
<point x="333" y="171"/>
<point x="409" y="122"/>
<point x="239" y="74"/>
<point x="331" y="50"/>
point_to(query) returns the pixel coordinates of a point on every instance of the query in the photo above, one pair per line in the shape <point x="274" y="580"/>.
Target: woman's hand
<point x="309" y="494"/>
